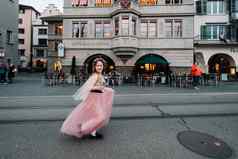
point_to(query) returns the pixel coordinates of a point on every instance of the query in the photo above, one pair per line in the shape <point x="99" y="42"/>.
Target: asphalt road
<point x="54" y="108"/>
<point x="124" y="139"/>
<point x="145" y="122"/>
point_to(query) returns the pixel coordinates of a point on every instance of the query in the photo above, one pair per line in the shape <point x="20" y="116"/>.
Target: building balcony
<point x="125" y="45"/>
<point x="226" y="40"/>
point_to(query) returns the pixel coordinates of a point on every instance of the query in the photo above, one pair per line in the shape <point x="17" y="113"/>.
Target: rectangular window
<point x="103" y="29"/>
<point x="75" y="30"/>
<point x="21" y="11"/>
<point x="103" y="3"/>
<point x="76" y="3"/>
<point x="215" y="7"/>
<point x="173" y="2"/>
<point x="99" y="30"/>
<point x="42" y="31"/>
<point x="152" y="29"/>
<point x="125" y="25"/>
<point x="9" y="37"/>
<point x="212" y="32"/>
<point x="83" y="30"/>
<point x="169" y="28"/>
<point x="143" y="29"/>
<point x="21" y="52"/>
<point x="20" y="21"/>
<point x="177" y="29"/>
<point x="234" y="6"/>
<point x="148" y="28"/>
<point x="107" y="29"/>
<point x="79" y="29"/>
<point x="173" y="28"/>
<point x="221" y="7"/>
<point x="116" y="26"/>
<point x="21" y="31"/>
<point x="58" y="29"/>
<point x="42" y="42"/>
<point x="133" y="27"/>
<point x="21" y="41"/>
<point x="147" y="2"/>
<point x="40" y="53"/>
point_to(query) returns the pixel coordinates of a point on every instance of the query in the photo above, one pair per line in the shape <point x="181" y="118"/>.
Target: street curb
<point x="122" y="118"/>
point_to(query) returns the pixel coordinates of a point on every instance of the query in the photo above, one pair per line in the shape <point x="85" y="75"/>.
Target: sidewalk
<point x="33" y="85"/>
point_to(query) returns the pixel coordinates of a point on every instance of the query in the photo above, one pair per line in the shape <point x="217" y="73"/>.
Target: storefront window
<point x="150" y="67"/>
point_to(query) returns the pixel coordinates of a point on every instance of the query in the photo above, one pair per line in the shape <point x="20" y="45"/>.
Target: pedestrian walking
<point x="3" y="72"/>
<point x="95" y="108"/>
<point x="196" y="74"/>
<point x="11" y="71"/>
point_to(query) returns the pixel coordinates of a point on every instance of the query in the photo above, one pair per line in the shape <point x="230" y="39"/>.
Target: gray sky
<point x="41" y="4"/>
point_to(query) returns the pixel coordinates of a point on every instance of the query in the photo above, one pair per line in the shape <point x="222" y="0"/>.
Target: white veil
<point x="83" y="92"/>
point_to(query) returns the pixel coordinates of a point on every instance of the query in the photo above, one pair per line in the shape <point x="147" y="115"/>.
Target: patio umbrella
<point x="152" y="59"/>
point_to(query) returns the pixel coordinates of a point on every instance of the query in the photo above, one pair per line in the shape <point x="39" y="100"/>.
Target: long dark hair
<point x="95" y="61"/>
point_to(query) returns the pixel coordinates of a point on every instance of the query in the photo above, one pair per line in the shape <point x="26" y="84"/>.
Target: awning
<point x="151" y="59"/>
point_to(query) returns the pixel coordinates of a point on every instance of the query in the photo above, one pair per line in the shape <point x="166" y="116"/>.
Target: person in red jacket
<point x="196" y="74"/>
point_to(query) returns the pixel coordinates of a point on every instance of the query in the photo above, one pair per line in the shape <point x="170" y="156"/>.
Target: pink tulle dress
<point x="92" y="113"/>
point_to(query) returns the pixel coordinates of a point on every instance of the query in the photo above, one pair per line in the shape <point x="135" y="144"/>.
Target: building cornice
<point x="114" y="14"/>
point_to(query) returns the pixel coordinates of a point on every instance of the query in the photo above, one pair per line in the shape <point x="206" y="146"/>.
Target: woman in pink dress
<point x="95" y="108"/>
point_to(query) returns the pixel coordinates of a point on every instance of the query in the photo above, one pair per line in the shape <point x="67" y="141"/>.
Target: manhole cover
<point x="204" y="144"/>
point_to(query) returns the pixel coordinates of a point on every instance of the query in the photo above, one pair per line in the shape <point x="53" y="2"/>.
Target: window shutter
<point x="228" y="31"/>
<point x="204" y="7"/>
<point x="199" y="7"/>
<point x="203" y="32"/>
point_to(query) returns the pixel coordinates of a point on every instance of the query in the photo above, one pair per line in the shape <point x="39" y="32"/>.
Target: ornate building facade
<point x="216" y="37"/>
<point x="144" y="36"/>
